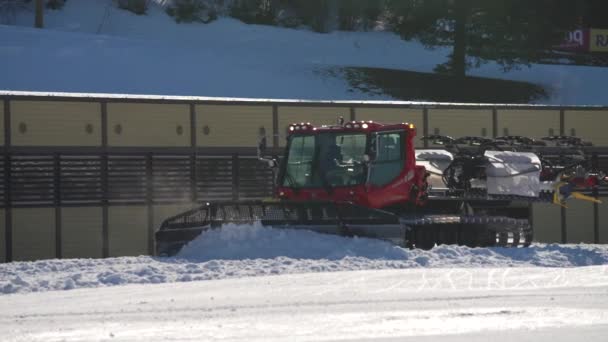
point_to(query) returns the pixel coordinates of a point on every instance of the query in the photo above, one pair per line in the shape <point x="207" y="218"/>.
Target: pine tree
<point x="509" y="32"/>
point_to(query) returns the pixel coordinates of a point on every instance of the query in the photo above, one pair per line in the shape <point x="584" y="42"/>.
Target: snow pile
<point x="245" y="251"/>
<point x="237" y="242"/>
<point x="91" y="46"/>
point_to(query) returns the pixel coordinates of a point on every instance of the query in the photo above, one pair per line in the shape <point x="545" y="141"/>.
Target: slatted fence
<point x="94" y="175"/>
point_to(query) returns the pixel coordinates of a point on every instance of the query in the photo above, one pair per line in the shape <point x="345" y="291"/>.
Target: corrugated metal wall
<point x="108" y="170"/>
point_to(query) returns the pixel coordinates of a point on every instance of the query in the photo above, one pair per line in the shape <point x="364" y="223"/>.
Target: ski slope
<point x="90" y="46"/>
<point x="259" y="284"/>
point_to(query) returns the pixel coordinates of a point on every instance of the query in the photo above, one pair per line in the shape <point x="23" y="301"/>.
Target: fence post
<point x="8" y="215"/>
<point x="105" y="230"/>
<point x="275" y="126"/>
<point x="425" y="125"/>
<point x="193" y="159"/>
<point x="494" y="122"/>
<point x="562" y="122"/>
<point x="564" y="225"/>
<point x="57" y="202"/>
<point x="235" y="177"/>
<point x="193" y="177"/>
<point x="149" y="202"/>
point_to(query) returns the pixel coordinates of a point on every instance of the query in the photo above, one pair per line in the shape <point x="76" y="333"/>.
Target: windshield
<point x="325" y="159"/>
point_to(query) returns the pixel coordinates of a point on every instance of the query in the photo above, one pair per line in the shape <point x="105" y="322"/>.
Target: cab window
<point x="299" y="162"/>
<point x="389" y="157"/>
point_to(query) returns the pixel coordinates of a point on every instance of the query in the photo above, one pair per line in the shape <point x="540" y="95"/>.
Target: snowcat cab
<point x="365" y="163"/>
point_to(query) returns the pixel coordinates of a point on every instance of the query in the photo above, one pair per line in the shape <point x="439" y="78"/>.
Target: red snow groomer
<point x="367" y="179"/>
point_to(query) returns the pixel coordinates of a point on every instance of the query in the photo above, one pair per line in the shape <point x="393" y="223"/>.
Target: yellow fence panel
<point x="55" y="123"/>
<point x="315" y="115"/>
<point x="531" y="123"/>
<point x="144" y="124"/>
<point x="33" y="233"/>
<point x="128" y="230"/>
<point x="232" y="126"/>
<point x="460" y="122"/>
<point x="81" y="232"/>
<point x="587" y="124"/>
<point x="579" y="222"/>
<point x="547" y="223"/>
<point x="394" y="115"/>
<point x="603" y="217"/>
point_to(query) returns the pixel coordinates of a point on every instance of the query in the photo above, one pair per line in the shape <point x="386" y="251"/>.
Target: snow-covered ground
<point x="525" y="304"/>
<point x="258" y="284"/>
<point x="91" y="46"/>
<point x="251" y="250"/>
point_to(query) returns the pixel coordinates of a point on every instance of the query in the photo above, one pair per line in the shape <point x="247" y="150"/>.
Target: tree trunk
<point x="332" y="16"/>
<point x="39" y="23"/>
<point x="460" y="37"/>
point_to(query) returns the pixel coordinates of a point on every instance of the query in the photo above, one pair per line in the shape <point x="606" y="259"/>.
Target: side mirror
<point x="272" y="163"/>
<point x="368" y="158"/>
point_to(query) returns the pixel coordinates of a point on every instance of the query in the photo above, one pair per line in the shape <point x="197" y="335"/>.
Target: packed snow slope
<point x="260" y="284"/>
<point x="522" y="304"/>
<point x="92" y="46"/>
<point x="247" y="251"/>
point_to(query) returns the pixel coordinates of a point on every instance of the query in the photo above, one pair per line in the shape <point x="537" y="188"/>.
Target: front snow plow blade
<point x="344" y="219"/>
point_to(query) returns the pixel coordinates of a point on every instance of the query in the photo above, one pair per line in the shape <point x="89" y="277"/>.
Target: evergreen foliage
<point x="254" y="11"/>
<point x="138" y="7"/>
<point x="192" y="11"/>
<point x="509" y="32"/>
<point x="55" y="4"/>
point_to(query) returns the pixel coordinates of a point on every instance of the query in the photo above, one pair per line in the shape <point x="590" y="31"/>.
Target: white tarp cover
<point x="513" y="173"/>
<point x="435" y="161"/>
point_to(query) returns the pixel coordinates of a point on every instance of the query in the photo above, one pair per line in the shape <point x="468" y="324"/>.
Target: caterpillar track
<point x="469" y="230"/>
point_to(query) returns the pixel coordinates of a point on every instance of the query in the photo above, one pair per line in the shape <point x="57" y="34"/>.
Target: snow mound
<point x="234" y="242"/>
<point x="251" y="242"/>
<point x="252" y="250"/>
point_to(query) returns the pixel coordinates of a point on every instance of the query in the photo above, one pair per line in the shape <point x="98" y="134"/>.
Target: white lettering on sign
<point x="575" y="37"/>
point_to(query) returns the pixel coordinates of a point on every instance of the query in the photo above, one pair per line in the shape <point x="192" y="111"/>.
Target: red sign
<point x="577" y="40"/>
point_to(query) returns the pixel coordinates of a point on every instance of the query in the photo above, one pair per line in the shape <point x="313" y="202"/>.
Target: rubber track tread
<point x="510" y="232"/>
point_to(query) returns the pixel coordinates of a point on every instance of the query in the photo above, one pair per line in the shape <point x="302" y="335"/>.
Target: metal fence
<point x="93" y="175"/>
<point x="60" y="180"/>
